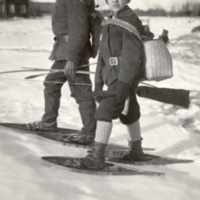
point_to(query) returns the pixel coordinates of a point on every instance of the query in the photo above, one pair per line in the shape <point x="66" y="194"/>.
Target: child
<point x="119" y="67"/>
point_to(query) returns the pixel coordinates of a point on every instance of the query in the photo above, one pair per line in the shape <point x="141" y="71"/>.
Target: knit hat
<point x="127" y="1"/>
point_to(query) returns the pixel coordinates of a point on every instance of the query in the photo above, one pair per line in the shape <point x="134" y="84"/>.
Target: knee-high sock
<point x="134" y="131"/>
<point x="103" y="132"/>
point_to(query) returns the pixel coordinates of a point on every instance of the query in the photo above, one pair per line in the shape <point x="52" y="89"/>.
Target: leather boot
<point x="96" y="158"/>
<point x="42" y="126"/>
<point x="136" y="152"/>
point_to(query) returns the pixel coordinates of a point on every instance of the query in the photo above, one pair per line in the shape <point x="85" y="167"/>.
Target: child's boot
<point x="135" y="143"/>
<point x="135" y="153"/>
<point x="96" y="158"/>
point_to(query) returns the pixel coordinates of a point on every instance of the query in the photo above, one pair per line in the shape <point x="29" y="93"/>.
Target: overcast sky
<point x="166" y="4"/>
<point x="143" y="4"/>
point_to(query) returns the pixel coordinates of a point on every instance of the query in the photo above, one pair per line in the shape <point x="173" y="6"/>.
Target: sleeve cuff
<point x="125" y="78"/>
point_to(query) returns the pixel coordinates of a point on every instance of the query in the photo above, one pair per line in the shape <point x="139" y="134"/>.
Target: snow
<point x="173" y="131"/>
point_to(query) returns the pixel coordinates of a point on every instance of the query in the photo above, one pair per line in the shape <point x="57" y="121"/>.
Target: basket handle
<point x="123" y="24"/>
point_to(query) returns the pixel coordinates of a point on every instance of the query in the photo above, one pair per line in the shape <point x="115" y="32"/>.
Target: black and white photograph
<point x="99" y="99"/>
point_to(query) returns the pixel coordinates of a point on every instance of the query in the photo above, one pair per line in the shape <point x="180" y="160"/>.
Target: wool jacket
<point x="71" y="21"/>
<point x="119" y="42"/>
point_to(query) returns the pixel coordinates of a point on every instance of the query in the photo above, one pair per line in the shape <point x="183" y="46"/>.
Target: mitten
<point x="123" y="91"/>
<point x="98" y="87"/>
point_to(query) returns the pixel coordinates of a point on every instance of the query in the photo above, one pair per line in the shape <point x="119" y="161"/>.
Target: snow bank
<point x="171" y="130"/>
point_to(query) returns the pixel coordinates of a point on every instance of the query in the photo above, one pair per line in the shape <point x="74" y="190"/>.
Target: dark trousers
<point x="52" y="95"/>
<point x="111" y="108"/>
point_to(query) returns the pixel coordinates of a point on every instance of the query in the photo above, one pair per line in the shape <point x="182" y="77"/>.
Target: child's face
<point x="117" y="5"/>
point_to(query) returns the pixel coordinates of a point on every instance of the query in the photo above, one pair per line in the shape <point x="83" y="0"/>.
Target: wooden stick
<point x="84" y="72"/>
<point x="56" y="82"/>
<point x="43" y="69"/>
<point x="35" y="76"/>
<point x="6" y="72"/>
<point x="83" y="84"/>
<point x="77" y="72"/>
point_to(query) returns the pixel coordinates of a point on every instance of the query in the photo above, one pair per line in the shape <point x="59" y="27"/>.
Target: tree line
<point x="189" y="8"/>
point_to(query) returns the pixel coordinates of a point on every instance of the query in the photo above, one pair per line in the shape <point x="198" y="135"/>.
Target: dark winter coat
<point x="71" y="25"/>
<point x="119" y="42"/>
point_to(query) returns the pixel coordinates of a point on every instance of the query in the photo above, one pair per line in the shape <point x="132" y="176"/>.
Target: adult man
<point x="73" y="22"/>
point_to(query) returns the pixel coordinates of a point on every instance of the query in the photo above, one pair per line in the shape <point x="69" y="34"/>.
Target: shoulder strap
<point x="123" y="24"/>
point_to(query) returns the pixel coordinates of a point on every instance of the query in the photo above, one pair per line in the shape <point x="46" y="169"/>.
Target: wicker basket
<point x="158" y="61"/>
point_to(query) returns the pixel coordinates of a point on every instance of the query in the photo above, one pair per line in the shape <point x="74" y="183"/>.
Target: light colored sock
<point x="126" y="106"/>
<point x="103" y="132"/>
<point x="134" y="131"/>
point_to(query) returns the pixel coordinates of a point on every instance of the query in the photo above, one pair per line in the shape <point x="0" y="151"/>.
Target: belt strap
<point x="63" y="38"/>
<point x="113" y="61"/>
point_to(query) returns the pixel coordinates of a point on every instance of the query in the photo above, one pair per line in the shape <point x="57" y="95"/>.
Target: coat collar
<point x="125" y="12"/>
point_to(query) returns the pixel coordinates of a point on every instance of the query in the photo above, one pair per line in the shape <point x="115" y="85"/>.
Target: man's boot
<point x="78" y="138"/>
<point x="43" y="126"/>
<point x="96" y="159"/>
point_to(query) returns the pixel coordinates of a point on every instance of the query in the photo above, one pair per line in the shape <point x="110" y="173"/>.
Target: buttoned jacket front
<point x="70" y="25"/>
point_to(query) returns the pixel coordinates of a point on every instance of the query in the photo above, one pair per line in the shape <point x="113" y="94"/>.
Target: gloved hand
<point x="98" y="87"/>
<point x="69" y="68"/>
<point x="123" y="91"/>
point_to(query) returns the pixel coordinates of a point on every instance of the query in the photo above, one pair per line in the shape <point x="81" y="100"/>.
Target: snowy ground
<point x="171" y="130"/>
